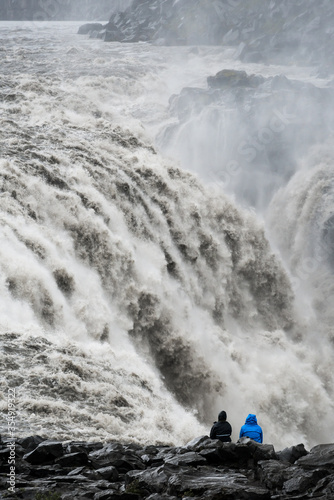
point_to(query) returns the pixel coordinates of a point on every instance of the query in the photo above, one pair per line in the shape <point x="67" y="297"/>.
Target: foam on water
<point x="136" y="302"/>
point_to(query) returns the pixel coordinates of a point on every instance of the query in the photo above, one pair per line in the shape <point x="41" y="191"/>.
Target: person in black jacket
<point x="221" y="430"/>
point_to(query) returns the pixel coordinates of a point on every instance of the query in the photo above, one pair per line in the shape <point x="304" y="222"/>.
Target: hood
<point x="251" y="419"/>
<point x="222" y="415"/>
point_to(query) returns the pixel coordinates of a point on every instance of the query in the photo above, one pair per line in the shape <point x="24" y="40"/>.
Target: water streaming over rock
<point x="136" y="301"/>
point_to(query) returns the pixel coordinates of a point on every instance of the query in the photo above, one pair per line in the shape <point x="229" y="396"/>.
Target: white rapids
<point x="138" y="300"/>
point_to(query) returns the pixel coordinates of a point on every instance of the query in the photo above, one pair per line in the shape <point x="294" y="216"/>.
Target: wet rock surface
<point x="280" y="30"/>
<point x="202" y="469"/>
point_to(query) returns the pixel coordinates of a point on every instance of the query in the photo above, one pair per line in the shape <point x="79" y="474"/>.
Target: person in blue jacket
<point x="251" y="429"/>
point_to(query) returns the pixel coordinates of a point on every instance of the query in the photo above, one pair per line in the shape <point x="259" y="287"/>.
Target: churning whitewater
<point x="137" y="300"/>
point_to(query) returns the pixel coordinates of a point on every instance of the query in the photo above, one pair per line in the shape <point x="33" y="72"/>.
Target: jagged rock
<point x="273" y="474"/>
<point x="44" y="471"/>
<point x="77" y="471"/>
<point x="231" y="484"/>
<point x="233" y="471"/>
<point x="292" y="454"/>
<point x="319" y="456"/>
<point x="78" y="478"/>
<point x="190" y="458"/>
<point x="153" y="479"/>
<point x="303" y="481"/>
<point x="82" y="446"/>
<point x="45" y="452"/>
<point x="31" y="442"/>
<point x="325" y="487"/>
<point x="110" y="473"/>
<point x="158" y="496"/>
<point x="124" y="459"/>
<point x="197" y="444"/>
<point x="73" y="459"/>
<point x="111" y="495"/>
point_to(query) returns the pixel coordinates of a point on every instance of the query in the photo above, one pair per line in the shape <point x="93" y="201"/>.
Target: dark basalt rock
<point x="203" y="469"/>
<point x="319" y="456"/>
<point x="45" y="452"/>
<point x="109" y="473"/>
<point x="30" y="443"/>
<point x="292" y="454"/>
<point x="226" y="484"/>
<point x="73" y="459"/>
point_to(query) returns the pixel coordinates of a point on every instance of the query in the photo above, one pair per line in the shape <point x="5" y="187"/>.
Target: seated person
<point x="221" y="430"/>
<point x="251" y="429"/>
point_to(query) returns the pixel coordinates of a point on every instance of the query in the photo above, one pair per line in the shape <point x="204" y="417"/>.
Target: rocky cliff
<point x="202" y="469"/>
<point x="276" y="30"/>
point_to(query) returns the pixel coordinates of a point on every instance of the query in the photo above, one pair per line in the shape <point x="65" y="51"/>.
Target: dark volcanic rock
<point x="203" y="469"/>
<point x="319" y="456"/>
<point x="121" y="457"/>
<point x="208" y="482"/>
<point x="110" y="473"/>
<point x="45" y="452"/>
<point x="73" y="459"/>
<point x="30" y="443"/>
<point x="292" y="454"/>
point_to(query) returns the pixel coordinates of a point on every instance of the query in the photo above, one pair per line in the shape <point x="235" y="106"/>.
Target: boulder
<point x="228" y="484"/>
<point x="319" y="456"/>
<point x="203" y="469"/>
<point x="73" y="459"/>
<point x="82" y="446"/>
<point x="303" y="481"/>
<point x="273" y="474"/>
<point x="121" y="457"/>
<point x="154" y="479"/>
<point x="31" y="442"/>
<point x="191" y="458"/>
<point x="292" y="454"/>
<point x="109" y="473"/>
<point x="45" y="453"/>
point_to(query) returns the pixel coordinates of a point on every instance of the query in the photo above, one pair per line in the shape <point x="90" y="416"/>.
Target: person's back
<point x="222" y="429"/>
<point x="251" y="429"/>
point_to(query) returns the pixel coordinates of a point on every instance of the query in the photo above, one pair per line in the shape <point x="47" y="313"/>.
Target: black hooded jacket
<point x="221" y="430"/>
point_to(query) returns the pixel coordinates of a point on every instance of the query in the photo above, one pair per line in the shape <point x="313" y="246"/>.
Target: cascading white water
<point x="136" y="301"/>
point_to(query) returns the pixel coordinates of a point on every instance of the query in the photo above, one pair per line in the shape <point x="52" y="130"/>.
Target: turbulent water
<point x="138" y="300"/>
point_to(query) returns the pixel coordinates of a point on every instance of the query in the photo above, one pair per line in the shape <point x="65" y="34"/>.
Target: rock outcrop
<point x="279" y="30"/>
<point x="202" y="469"/>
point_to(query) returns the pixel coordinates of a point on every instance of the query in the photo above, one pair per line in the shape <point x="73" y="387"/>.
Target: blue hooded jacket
<point x="251" y="429"/>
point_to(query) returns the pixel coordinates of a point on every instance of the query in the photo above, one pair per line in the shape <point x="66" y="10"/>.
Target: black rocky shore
<point x="202" y="469"/>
